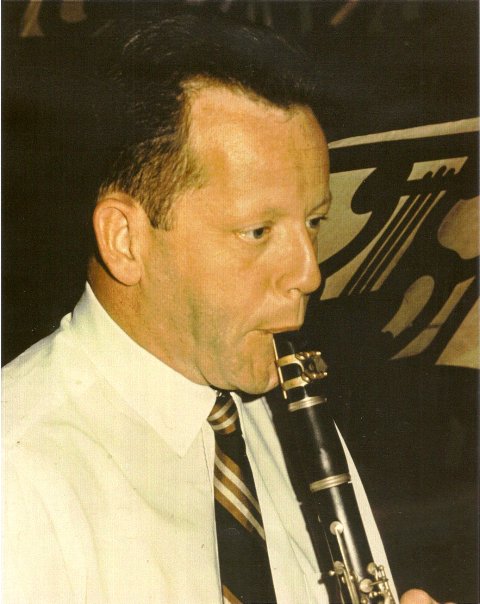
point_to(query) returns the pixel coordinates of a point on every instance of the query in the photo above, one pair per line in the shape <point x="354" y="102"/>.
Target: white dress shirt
<point x="109" y="478"/>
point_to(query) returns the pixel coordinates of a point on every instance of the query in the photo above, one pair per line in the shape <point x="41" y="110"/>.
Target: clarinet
<point x="352" y="577"/>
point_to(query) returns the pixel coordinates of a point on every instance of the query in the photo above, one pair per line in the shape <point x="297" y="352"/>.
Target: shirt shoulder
<point x="42" y="379"/>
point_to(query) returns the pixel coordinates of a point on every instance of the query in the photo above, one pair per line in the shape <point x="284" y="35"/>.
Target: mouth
<point x="285" y="319"/>
<point x="274" y="330"/>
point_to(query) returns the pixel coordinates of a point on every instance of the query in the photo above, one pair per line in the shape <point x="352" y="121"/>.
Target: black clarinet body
<point x="352" y="576"/>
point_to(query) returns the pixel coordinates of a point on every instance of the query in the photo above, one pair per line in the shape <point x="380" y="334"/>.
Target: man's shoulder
<point x="32" y="358"/>
<point x="42" y="378"/>
<point x="40" y="364"/>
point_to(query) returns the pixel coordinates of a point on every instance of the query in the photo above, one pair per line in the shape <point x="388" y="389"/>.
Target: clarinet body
<point x="355" y="577"/>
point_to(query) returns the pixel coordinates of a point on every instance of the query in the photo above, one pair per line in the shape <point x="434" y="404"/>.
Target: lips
<point x="284" y="319"/>
<point x="274" y="330"/>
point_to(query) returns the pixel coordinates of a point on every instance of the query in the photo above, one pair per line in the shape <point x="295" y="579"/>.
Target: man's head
<point x="207" y="228"/>
<point x="160" y="65"/>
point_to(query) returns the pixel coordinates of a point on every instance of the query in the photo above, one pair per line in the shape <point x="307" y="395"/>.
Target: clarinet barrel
<point x="325" y="474"/>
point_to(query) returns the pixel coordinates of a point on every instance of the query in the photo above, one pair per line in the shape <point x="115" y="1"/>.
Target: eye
<point x="314" y="222"/>
<point x="255" y="234"/>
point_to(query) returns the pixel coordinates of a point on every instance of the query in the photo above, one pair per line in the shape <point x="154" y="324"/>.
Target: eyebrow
<point x="272" y="213"/>
<point x="325" y="201"/>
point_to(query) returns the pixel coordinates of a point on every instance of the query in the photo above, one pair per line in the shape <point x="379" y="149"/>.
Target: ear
<point x="118" y="221"/>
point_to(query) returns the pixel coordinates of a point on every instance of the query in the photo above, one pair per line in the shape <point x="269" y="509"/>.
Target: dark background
<point x="388" y="65"/>
<point x="411" y="425"/>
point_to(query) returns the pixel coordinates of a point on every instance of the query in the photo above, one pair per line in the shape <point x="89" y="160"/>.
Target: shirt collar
<point x="173" y="405"/>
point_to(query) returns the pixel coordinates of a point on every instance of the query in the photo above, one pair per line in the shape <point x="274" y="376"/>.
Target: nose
<point x="300" y="270"/>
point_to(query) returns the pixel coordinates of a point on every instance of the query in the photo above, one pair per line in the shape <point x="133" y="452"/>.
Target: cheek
<point x="229" y="351"/>
<point x="226" y="308"/>
<point x="210" y="325"/>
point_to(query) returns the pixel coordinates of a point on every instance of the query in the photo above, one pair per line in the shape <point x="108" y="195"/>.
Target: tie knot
<point x="224" y="416"/>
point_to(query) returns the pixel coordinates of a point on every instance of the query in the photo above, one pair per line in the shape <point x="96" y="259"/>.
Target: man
<point x="206" y="225"/>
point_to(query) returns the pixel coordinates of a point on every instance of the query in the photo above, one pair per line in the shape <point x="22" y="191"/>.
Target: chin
<point x="254" y="371"/>
<point x="259" y="384"/>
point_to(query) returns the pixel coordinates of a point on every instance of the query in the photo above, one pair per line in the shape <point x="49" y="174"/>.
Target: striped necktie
<point x="244" y="566"/>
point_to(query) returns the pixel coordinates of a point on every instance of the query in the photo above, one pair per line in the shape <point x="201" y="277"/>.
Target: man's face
<point x="240" y="260"/>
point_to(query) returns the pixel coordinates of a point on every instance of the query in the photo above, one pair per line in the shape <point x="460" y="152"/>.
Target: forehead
<point x="230" y="130"/>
